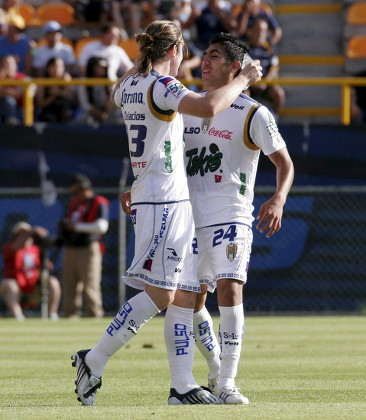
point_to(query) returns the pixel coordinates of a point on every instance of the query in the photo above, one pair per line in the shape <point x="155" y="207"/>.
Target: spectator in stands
<point x="106" y="47"/>
<point x="261" y="49"/>
<point x="54" y="47"/>
<point x="182" y="11"/>
<point x="252" y="10"/>
<point x="22" y="266"/>
<point x="81" y="230"/>
<point x="213" y="19"/>
<point x="90" y="11"/>
<point x="94" y="100"/>
<point x="127" y="15"/>
<point x="9" y="8"/>
<point x="11" y="97"/>
<point x="56" y="103"/>
<point x="16" y="43"/>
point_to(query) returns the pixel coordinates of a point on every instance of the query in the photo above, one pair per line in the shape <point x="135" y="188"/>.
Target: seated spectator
<point x="22" y="263"/>
<point x="56" y="103"/>
<point x="213" y="19"/>
<point x="54" y="47"/>
<point x="252" y="10"/>
<point x="95" y="103"/>
<point x="106" y="47"/>
<point x="16" y="43"/>
<point x="11" y="97"/>
<point x="260" y="49"/>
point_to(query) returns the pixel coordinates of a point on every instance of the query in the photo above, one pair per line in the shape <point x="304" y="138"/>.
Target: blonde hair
<point x="159" y="37"/>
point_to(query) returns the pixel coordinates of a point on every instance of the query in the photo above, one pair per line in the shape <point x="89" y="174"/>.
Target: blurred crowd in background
<point x="95" y="39"/>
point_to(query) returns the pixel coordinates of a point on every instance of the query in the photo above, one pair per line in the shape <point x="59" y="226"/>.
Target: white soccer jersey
<point x="221" y="156"/>
<point x="155" y="135"/>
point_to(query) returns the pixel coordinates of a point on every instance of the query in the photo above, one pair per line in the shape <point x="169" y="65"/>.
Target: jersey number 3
<point x="138" y="140"/>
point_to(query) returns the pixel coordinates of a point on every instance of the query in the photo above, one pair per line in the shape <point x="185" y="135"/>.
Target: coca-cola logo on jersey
<point x="224" y="134"/>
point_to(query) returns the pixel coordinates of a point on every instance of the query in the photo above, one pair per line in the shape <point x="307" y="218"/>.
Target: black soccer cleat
<point x="194" y="396"/>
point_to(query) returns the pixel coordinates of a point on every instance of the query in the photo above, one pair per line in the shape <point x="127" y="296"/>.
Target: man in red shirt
<point x="22" y="269"/>
<point x="85" y="223"/>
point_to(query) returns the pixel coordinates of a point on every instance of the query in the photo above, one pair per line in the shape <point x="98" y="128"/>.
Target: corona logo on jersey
<point x="231" y="251"/>
<point x="202" y="162"/>
<point x="132" y="98"/>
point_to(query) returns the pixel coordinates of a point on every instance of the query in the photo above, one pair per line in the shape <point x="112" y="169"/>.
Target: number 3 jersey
<point x="155" y="135"/>
<point x="221" y="157"/>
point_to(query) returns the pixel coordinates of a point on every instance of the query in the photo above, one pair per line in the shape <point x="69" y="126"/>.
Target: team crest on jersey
<point x="206" y="122"/>
<point x="231" y="251"/>
<point x="172" y="85"/>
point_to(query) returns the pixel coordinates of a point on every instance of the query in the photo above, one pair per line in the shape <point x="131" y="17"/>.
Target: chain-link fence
<point x="315" y="263"/>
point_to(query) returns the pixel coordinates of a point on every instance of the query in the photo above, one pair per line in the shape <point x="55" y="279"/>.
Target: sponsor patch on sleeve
<point x="172" y="85"/>
<point x="273" y="129"/>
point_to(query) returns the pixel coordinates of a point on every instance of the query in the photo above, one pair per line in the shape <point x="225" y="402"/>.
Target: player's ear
<point x="236" y="65"/>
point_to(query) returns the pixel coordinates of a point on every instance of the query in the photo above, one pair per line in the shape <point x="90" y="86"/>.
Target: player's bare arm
<point x="222" y="98"/>
<point x="270" y="213"/>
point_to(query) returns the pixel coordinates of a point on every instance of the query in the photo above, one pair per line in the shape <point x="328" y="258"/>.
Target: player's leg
<point x="146" y="270"/>
<point x="206" y="339"/>
<point x="178" y="332"/>
<point x="129" y="319"/>
<point x="227" y="251"/>
<point x="231" y="332"/>
<point x="178" y="328"/>
<point x="10" y="292"/>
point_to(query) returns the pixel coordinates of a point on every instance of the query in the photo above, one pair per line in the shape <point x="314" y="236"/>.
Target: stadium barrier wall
<point x="315" y="263"/>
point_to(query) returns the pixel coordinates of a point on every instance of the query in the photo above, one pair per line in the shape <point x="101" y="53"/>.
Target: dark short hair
<point x="81" y="181"/>
<point x="234" y="48"/>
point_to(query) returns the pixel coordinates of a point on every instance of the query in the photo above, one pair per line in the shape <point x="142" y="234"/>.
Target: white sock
<point x="178" y="333"/>
<point x="231" y="333"/>
<point x="206" y="340"/>
<point x="129" y="319"/>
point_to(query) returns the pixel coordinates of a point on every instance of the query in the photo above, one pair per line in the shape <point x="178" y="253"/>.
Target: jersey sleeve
<point x="264" y="131"/>
<point x="168" y="92"/>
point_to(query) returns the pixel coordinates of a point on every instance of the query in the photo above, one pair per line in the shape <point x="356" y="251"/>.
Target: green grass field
<point x="309" y="368"/>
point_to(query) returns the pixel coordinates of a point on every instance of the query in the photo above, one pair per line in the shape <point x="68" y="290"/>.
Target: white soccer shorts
<point x="164" y="253"/>
<point x="223" y="252"/>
